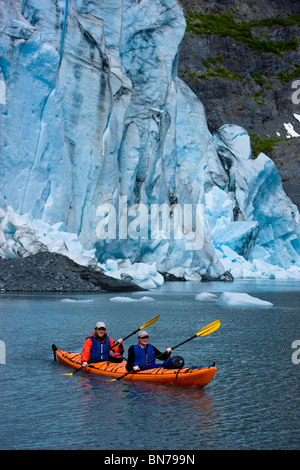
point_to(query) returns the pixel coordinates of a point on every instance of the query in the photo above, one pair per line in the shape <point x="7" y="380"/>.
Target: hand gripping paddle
<point x="145" y="325"/>
<point x="203" y="332"/>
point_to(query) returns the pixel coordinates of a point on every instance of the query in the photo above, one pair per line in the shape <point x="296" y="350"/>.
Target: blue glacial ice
<point x="93" y="115"/>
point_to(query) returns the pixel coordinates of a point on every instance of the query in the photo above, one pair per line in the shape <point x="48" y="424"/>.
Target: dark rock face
<point x="242" y="59"/>
<point x="52" y="272"/>
<point x="254" y="9"/>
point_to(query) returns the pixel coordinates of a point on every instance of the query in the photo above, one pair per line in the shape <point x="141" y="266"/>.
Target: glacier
<point x="96" y="129"/>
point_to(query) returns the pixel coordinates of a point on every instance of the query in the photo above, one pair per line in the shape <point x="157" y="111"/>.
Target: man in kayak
<point x="97" y="347"/>
<point x="142" y="352"/>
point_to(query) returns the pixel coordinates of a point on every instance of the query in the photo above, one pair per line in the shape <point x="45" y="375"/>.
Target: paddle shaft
<point x="157" y="357"/>
<point x="203" y="332"/>
<point x="113" y="346"/>
<point x="148" y="323"/>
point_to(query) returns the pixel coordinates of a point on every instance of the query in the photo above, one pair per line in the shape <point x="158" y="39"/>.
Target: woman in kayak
<point x="143" y="352"/>
<point x="97" y="347"/>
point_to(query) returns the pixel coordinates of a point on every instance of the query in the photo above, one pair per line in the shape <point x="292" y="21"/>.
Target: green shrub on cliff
<point x="225" y="25"/>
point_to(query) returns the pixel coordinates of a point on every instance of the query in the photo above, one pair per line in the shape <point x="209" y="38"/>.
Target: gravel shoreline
<point x="53" y="272"/>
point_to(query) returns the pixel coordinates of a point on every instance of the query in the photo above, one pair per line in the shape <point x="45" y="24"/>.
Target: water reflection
<point x="163" y="410"/>
<point x="252" y="402"/>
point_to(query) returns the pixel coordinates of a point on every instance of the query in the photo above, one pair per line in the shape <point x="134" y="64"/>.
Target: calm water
<point x="252" y="402"/>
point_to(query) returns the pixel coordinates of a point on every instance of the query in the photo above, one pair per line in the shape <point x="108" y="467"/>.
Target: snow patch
<point x="290" y="130"/>
<point x="297" y="116"/>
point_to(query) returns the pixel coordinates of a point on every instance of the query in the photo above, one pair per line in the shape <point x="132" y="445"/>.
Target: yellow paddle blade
<point x="149" y="322"/>
<point x="70" y="373"/>
<point x="209" y="328"/>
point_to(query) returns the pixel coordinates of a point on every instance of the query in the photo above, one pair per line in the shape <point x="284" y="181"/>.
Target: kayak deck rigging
<point x="187" y="376"/>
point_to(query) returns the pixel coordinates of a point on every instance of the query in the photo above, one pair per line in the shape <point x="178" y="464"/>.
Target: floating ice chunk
<point x="130" y="299"/>
<point x="206" y="297"/>
<point x="77" y="300"/>
<point x="122" y="299"/>
<point x="234" y="299"/>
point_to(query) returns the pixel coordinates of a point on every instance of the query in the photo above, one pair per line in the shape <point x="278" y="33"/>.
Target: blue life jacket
<point x="97" y="348"/>
<point x="142" y="355"/>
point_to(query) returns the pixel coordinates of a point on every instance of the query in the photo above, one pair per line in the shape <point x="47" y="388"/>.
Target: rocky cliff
<point x="242" y="59"/>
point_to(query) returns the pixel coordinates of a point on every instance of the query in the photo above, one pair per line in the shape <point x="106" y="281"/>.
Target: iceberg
<point x="234" y="299"/>
<point x="130" y="299"/>
<point x="106" y="155"/>
<point x="206" y="297"/>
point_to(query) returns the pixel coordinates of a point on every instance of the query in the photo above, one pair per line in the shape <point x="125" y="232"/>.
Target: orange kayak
<point x="187" y="376"/>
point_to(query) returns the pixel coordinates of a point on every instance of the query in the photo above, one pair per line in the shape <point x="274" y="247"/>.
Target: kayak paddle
<point x="203" y="332"/>
<point x="145" y="325"/>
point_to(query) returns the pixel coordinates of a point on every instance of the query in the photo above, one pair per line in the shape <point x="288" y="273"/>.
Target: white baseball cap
<point x="142" y="334"/>
<point x="100" y="324"/>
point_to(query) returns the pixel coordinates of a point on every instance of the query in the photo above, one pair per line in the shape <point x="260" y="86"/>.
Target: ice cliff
<point x="96" y="130"/>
